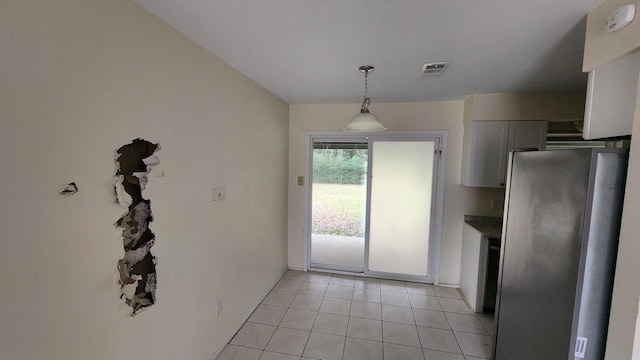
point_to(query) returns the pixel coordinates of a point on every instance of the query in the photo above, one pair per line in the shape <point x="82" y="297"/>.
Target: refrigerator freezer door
<point x="541" y="246"/>
<point x="599" y="250"/>
<point x="558" y="253"/>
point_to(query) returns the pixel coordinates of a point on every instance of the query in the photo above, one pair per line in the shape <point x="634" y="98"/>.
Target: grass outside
<point x="338" y="209"/>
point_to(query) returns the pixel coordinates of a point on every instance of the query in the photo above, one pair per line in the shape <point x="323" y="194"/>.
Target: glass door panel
<point x="401" y="203"/>
<point x="338" y="205"/>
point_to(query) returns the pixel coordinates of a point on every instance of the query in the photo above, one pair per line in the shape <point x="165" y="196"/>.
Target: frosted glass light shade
<point x="365" y="121"/>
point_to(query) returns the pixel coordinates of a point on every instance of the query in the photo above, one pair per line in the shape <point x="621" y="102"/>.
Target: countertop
<point x="488" y="226"/>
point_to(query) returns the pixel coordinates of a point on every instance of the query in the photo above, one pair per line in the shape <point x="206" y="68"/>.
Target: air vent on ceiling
<point x="435" y="69"/>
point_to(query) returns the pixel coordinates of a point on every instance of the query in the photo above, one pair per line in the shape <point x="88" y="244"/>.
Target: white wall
<point x="80" y="78"/>
<point x="541" y="105"/>
<point x="601" y="48"/>
<point x="442" y="115"/>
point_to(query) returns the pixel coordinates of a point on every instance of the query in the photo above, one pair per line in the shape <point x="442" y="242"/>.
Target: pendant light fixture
<point x="364" y="120"/>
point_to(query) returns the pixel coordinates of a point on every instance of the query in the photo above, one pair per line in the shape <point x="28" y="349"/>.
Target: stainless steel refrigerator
<point x="559" y="245"/>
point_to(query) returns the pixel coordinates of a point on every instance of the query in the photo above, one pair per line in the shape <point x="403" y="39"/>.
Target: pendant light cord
<point x="366" y="101"/>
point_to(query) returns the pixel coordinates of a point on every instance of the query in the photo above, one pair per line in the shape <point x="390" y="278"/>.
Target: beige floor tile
<point x="253" y="335"/>
<point x="474" y="344"/>
<point x="439" y="355"/>
<point x="367" y="294"/>
<point x="335" y="306"/>
<point x="420" y="289"/>
<point x="466" y="323"/>
<point x="339" y="292"/>
<point x="288" y="341"/>
<point x="366" y="329"/>
<point x="488" y="322"/>
<point x="306" y="302"/>
<point x="401" y="334"/>
<point x="393" y="285"/>
<point x="395" y="298"/>
<point x="315" y="315"/>
<point x="288" y="285"/>
<point x="268" y="355"/>
<point x="358" y="349"/>
<point x="455" y="306"/>
<point x="343" y="281"/>
<point x="316" y="277"/>
<point x="324" y="346"/>
<point x="313" y="288"/>
<point x="342" y="276"/>
<point x="331" y="324"/>
<point x="431" y="318"/>
<point x="447" y="292"/>
<point x="279" y="298"/>
<point x="295" y="275"/>
<point x="367" y="283"/>
<point x="424" y="302"/>
<point x="268" y="315"/>
<point x="399" y="314"/>
<point x="234" y="352"/>
<point x="366" y="310"/>
<point x="393" y="351"/>
<point x="438" y="339"/>
<point x="298" y="319"/>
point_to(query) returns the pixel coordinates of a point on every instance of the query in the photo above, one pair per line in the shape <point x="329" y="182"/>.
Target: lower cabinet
<point x="473" y="269"/>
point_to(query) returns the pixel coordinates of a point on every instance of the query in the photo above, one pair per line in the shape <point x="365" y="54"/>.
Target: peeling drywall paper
<point x="137" y="269"/>
<point x="69" y="189"/>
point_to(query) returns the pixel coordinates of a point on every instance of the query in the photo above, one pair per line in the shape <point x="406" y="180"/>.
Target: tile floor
<point x="309" y="315"/>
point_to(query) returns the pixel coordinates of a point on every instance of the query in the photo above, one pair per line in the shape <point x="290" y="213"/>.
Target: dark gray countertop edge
<point x="488" y="226"/>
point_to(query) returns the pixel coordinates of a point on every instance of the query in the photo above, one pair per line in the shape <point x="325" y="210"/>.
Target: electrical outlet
<point x="218" y="307"/>
<point x="300" y="180"/>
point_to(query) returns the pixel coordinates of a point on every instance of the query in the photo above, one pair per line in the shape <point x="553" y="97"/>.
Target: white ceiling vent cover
<point x="435" y="69"/>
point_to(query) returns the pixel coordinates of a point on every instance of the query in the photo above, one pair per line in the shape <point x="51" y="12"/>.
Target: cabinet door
<point x="473" y="268"/>
<point x="527" y="135"/>
<point x="489" y="146"/>
<point x="611" y="98"/>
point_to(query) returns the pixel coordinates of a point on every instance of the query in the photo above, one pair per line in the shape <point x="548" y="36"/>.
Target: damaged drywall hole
<point x="137" y="269"/>
<point x="219" y="193"/>
<point x="69" y="189"/>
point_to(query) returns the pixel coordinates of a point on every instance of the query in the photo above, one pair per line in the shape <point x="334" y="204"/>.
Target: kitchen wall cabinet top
<point x="612" y="92"/>
<point x="487" y="145"/>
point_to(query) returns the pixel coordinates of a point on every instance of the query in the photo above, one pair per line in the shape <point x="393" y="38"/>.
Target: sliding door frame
<point x="435" y="238"/>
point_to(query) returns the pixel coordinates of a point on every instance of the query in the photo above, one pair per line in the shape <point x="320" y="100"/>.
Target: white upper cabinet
<point x="487" y="145"/>
<point x="611" y="98"/>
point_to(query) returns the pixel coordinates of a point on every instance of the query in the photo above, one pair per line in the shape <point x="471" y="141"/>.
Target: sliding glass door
<point x="339" y="192"/>
<point x="401" y="203"/>
<point x="374" y="206"/>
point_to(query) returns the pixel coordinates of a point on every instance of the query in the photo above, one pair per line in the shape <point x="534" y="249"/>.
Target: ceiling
<point x="309" y="51"/>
